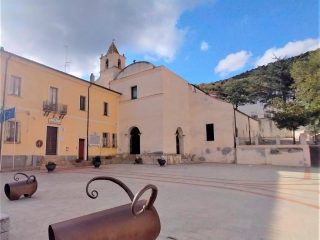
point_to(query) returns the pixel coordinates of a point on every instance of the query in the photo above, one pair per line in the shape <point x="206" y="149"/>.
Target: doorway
<point x="179" y="141"/>
<point x="135" y="141"/>
<point x="52" y="140"/>
<point x="81" y="149"/>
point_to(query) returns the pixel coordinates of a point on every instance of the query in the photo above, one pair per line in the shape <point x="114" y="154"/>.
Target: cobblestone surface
<point x="198" y="201"/>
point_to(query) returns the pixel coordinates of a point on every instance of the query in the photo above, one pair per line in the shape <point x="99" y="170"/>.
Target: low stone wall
<point x="152" y="158"/>
<point x="20" y="162"/>
<point x="217" y="155"/>
<point x="283" y="155"/>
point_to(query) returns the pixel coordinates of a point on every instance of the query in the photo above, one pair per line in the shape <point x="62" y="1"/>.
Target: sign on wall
<point x="94" y="139"/>
<point x="55" y="121"/>
<point x="7" y="114"/>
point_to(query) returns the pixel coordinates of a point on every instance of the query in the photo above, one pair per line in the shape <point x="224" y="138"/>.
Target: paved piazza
<point x="198" y="201"/>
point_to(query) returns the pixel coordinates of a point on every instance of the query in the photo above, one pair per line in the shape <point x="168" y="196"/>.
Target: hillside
<point x="252" y="75"/>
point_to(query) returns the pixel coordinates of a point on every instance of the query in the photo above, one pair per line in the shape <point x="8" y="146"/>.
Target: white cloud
<point x="204" y="46"/>
<point x="41" y="28"/>
<point x="232" y="62"/>
<point x="289" y="50"/>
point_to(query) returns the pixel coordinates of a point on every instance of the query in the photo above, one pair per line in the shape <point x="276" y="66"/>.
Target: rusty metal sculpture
<point x="138" y="220"/>
<point x="16" y="189"/>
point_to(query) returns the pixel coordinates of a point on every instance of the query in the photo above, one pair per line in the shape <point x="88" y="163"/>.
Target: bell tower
<point x="110" y="65"/>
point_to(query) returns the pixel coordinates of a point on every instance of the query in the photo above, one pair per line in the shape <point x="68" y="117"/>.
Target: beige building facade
<point x="162" y="114"/>
<point x="57" y="115"/>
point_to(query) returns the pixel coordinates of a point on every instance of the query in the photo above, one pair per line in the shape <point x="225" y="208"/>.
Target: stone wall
<point x="152" y="158"/>
<point x="285" y="155"/>
<point x="20" y="162"/>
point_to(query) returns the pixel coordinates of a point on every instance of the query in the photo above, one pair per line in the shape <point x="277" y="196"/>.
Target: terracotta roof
<point x="112" y="49"/>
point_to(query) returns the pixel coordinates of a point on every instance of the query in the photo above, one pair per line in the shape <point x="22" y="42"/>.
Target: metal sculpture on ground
<point x="16" y="189"/>
<point x="137" y="220"/>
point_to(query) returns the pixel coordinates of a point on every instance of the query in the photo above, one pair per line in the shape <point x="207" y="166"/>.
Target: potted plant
<point x="51" y="166"/>
<point x="96" y="161"/>
<point x="161" y="161"/>
<point x="138" y="160"/>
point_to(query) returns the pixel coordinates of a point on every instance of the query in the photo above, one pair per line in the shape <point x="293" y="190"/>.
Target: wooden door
<point x="52" y="140"/>
<point x="81" y="149"/>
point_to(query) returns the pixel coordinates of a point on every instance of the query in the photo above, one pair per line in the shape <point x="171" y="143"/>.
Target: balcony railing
<point x="55" y="108"/>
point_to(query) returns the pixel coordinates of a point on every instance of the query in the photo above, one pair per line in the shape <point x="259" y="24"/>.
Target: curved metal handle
<point x="94" y="193"/>
<point x="149" y="204"/>
<point x="30" y="178"/>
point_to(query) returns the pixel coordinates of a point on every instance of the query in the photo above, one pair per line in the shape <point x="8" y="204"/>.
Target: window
<point x="82" y="103"/>
<point x="119" y="63"/>
<point x="134" y="92"/>
<point x="15" y="86"/>
<point x="105" y="109"/>
<point x="210" y="132"/>
<point x="107" y="63"/>
<point x="12" y="132"/>
<point x="53" y="98"/>
<point x="105" y="140"/>
<point x="114" y="140"/>
<point x="53" y="95"/>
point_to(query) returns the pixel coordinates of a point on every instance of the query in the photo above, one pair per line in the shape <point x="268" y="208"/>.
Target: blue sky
<point x="230" y="26"/>
<point x="235" y="35"/>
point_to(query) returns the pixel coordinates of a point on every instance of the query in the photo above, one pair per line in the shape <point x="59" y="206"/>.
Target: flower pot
<point x="96" y="164"/>
<point x="50" y="167"/>
<point x="138" y="161"/>
<point x="161" y="162"/>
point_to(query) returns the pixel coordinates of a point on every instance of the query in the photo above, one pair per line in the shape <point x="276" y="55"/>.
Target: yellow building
<point x="57" y="114"/>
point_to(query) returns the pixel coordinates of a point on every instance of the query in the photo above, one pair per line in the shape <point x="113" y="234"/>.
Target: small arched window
<point x="107" y="63"/>
<point x="119" y="63"/>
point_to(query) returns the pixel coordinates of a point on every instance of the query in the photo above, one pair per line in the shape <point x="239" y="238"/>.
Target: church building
<point x="162" y="114"/>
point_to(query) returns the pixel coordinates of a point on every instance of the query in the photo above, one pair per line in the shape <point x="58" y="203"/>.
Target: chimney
<point x="92" y="78"/>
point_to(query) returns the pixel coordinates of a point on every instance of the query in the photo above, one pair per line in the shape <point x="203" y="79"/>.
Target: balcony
<point x="55" y="108"/>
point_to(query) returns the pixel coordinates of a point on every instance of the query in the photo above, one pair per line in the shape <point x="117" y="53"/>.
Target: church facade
<point x="162" y="114"/>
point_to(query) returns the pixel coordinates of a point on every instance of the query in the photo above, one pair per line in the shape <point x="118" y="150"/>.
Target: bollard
<point x="137" y="220"/>
<point x="27" y="188"/>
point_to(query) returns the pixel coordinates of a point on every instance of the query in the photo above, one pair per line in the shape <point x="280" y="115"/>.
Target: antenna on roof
<point x="66" y="62"/>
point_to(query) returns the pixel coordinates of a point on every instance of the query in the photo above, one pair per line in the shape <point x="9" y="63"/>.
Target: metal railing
<point x="49" y="107"/>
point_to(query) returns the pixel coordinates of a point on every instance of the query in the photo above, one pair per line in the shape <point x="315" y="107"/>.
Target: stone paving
<point x="198" y="201"/>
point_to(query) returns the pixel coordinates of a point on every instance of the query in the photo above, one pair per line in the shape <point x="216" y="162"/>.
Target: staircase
<point x="60" y="161"/>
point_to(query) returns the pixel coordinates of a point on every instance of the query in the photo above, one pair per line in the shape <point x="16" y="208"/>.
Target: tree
<point x="289" y="115"/>
<point x="236" y="92"/>
<point x="274" y="81"/>
<point x="306" y="76"/>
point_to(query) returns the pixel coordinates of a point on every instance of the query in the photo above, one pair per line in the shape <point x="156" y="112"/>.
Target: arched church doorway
<point x="135" y="141"/>
<point x="179" y="141"/>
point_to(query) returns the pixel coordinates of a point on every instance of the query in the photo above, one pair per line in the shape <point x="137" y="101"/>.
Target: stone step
<point x="60" y="161"/>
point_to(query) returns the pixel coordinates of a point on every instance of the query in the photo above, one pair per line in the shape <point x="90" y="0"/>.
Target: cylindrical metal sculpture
<point x="16" y="189"/>
<point x="138" y="220"/>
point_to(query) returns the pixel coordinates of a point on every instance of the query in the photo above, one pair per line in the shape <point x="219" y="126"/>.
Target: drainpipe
<point x="3" y="103"/>
<point x="235" y="127"/>
<point x="235" y="135"/>
<point x="88" y="119"/>
<point x="249" y="130"/>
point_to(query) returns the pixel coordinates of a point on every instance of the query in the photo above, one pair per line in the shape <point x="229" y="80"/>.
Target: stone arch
<point x="134" y="140"/>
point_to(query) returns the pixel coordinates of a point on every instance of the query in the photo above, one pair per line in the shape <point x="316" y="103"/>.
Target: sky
<point x="203" y="41"/>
